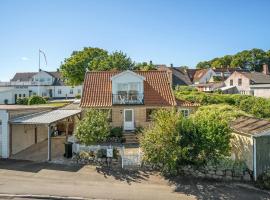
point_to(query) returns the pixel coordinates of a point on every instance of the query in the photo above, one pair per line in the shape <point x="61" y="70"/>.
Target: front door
<point x="128" y="119"/>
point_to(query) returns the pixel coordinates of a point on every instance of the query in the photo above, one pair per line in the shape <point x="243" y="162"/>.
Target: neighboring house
<point x="250" y="143"/>
<point x="202" y="76"/>
<point x="130" y="96"/>
<point x="179" y="75"/>
<point x="42" y="83"/>
<point x="210" y="87"/>
<point x="250" y="83"/>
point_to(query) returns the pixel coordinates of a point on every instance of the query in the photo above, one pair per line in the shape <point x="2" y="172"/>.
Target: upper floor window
<point x="231" y="82"/>
<point x="239" y="82"/>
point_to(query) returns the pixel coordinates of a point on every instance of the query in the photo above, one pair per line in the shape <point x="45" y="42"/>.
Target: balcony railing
<point x="128" y="99"/>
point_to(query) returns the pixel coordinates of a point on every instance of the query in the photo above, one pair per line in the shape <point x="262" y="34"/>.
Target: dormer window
<point x="127" y="88"/>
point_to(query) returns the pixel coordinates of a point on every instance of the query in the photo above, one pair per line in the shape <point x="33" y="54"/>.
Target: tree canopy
<point x="248" y="59"/>
<point x="73" y="69"/>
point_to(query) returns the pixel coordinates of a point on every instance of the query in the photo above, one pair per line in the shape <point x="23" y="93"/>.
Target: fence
<point x="130" y="157"/>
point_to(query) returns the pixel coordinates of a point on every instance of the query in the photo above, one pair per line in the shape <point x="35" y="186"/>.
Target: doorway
<point x="128" y="119"/>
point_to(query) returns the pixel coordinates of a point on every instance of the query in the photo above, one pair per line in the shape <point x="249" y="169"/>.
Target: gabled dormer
<point x="127" y="88"/>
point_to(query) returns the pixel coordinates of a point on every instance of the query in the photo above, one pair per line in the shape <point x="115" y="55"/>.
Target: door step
<point x="131" y="138"/>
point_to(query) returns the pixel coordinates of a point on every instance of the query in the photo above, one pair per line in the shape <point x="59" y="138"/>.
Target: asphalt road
<point x="29" y="178"/>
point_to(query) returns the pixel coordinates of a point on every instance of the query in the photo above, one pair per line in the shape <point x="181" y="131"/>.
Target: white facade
<point x="206" y="77"/>
<point x="261" y="90"/>
<point x="43" y="83"/>
<point x="4" y="139"/>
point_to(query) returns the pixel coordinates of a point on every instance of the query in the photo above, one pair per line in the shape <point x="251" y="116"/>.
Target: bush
<point x="22" y="101"/>
<point x="36" y="100"/>
<point x="94" y="127"/>
<point x="263" y="180"/>
<point x="78" y="96"/>
<point x="116" y="132"/>
<point x="46" y="98"/>
<point x="160" y="142"/>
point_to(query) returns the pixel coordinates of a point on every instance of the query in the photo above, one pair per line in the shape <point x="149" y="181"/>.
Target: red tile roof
<point x="183" y="103"/>
<point x="97" y="90"/>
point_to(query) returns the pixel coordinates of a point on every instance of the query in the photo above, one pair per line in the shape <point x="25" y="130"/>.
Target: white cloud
<point x="25" y="58"/>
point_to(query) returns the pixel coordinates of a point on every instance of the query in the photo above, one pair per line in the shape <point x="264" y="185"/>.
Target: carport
<point x="49" y="119"/>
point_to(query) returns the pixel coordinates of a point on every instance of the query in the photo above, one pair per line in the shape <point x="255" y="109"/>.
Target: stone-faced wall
<point x="214" y="173"/>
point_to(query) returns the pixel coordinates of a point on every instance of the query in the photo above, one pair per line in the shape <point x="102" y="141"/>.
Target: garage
<point x="41" y="136"/>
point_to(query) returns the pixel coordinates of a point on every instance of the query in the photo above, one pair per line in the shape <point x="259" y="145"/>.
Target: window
<point x="71" y="91"/>
<point x="23" y="95"/>
<point x="231" y="82"/>
<point x="48" y="79"/>
<point x="185" y="112"/>
<point x="59" y="91"/>
<point x="239" y="82"/>
<point x="0" y="122"/>
<point x="149" y="113"/>
<point x="41" y="80"/>
<point x="20" y="95"/>
<point x="79" y="91"/>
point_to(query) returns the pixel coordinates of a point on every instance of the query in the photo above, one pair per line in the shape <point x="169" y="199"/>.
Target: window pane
<point x="128" y="115"/>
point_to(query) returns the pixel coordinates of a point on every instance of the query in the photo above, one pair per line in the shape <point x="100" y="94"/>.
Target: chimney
<point x="151" y="63"/>
<point x="171" y="65"/>
<point x="265" y="69"/>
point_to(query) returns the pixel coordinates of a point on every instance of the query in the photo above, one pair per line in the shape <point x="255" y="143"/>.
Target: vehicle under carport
<point x="33" y="136"/>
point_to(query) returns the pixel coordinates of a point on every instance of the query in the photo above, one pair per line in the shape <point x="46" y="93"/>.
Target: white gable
<point x="127" y="75"/>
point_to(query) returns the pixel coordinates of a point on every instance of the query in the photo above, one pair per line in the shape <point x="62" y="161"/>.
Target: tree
<point x="248" y="59"/>
<point x="94" y="127"/>
<point x="160" y="142"/>
<point x="73" y="69"/>
<point x="144" y="66"/>
<point x="115" y="61"/>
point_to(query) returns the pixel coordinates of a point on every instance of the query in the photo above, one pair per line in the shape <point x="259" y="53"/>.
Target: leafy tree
<point x="73" y="69"/>
<point x="160" y="142"/>
<point x="116" y="61"/>
<point x="94" y="127"/>
<point x="144" y="66"/>
<point x="248" y="59"/>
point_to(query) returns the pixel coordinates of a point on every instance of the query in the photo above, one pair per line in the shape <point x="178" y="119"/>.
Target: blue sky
<point x="178" y="32"/>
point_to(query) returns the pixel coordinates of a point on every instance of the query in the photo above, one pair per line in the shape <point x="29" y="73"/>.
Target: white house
<point x="42" y="83"/>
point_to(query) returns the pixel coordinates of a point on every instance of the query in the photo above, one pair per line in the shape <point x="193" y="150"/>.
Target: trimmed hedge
<point x="36" y="100"/>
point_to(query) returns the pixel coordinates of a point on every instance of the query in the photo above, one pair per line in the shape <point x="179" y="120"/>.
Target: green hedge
<point x="22" y="101"/>
<point x="36" y="100"/>
<point x="256" y="106"/>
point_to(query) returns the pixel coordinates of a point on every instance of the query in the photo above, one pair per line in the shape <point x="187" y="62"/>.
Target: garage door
<point x="0" y="139"/>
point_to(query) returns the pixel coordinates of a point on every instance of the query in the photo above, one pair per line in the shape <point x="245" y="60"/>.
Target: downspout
<point x="254" y="159"/>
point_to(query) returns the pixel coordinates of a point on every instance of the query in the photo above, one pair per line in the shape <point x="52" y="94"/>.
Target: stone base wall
<point x="227" y="174"/>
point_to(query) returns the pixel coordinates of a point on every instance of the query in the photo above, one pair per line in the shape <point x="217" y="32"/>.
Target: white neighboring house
<point x="42" y="83"/>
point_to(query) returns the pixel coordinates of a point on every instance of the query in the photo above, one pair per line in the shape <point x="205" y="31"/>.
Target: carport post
<point x="49" y="142"/>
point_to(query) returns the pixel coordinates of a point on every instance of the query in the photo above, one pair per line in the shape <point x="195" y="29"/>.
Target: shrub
<point x="36" y="100"/>
<point x="116" y="132"/>
<point x="22" y="101"/>
<point x="263" y="180"/>
<point x="78" y="96"/>
<point x="94" y="127"/>
<point x="46" y="98"/>
<point x="101" y="153"/>
<point x="160" y="142"/>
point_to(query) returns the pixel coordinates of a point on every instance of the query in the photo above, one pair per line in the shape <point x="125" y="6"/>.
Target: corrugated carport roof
<point x="45" y="117"/>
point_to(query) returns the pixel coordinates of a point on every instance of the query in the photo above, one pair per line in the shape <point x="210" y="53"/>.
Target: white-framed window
<point x="59" y="91"/>
<point x="185" y="112"/>
<point x="71" y="91"/>
<point x="79" y="91"/>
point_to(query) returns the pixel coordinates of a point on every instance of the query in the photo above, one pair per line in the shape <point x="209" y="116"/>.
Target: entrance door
<point x="128" y="119"/>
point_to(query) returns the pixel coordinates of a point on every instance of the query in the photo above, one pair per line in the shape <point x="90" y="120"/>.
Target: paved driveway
<point x="25" y="177"/>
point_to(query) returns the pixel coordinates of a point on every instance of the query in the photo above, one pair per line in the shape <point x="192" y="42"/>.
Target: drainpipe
<point x="254" y="159"/>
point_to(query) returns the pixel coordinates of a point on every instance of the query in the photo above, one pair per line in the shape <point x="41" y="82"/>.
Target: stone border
<point x="225" y="174"/>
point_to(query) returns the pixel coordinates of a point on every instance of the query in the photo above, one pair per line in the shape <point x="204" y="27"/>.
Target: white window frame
<point x="184" y="111"/>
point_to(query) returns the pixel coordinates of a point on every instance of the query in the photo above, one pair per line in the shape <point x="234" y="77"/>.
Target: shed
<point x="251" y="143"/>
